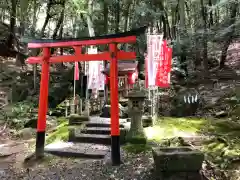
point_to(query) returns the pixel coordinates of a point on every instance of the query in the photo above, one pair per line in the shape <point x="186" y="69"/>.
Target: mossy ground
<point x="62" y="131"/>
<point x="222" y="146"/>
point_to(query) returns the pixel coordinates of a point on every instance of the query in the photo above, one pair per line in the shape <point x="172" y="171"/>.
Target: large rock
<point x="106" y="111"/>
<point x="27" y="133"/>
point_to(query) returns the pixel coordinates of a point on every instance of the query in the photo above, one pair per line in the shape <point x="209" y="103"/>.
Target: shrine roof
<point x="124" y="67"/>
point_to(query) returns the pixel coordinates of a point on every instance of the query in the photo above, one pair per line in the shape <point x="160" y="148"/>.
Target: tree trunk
<point x="60" y="20"/>
<point x="183" y="57"/>
<point x="210" y="14"/>
<point x="48" y="16"/>
<point x="89" y="18"/>
<point x="229" y="35"/>
<point x="205" y="47"/>
<point x="34" y="21"/>
<point x="126" y="14"/>
<point x="105" y="14"/>
<point x="33" y="29"/>
<point x="117" y="15"/>
<point x="58" y="27"/>
<point x="10" y="41"/>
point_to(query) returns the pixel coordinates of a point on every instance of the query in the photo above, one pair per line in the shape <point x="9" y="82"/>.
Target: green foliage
<point x="22" y="109"/>
<point x="223" y="148"/>
<point x="61" y="133"/>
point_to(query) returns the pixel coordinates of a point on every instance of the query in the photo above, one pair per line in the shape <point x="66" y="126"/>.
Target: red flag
<point x="76" y="71"/>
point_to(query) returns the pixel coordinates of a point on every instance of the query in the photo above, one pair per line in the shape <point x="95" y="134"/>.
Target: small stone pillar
<point x="67" y="104"/>
<point x="80" y="106"/>
<point x="136" y="133"/>
<point x="72" y="107"/>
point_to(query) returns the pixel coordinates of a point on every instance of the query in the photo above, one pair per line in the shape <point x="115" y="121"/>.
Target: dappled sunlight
<point x="169" y="127"/>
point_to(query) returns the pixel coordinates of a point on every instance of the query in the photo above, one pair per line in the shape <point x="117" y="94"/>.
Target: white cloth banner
<point x="154" y="44"/>
<point x="95" y="77"/>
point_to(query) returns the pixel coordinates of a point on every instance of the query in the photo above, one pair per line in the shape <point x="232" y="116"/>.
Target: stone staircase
<point x="93" y="141"/>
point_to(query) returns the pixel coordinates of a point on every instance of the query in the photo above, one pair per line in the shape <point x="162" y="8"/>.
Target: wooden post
<point x="43" y="104"/>
<point x="115" y="133"/>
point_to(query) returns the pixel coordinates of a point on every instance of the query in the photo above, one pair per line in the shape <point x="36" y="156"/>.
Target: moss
<point x="136" y="148"/>
<point x="171" y="127"/>
<point x="222" y="149"/>
<point x="60" y="134"/>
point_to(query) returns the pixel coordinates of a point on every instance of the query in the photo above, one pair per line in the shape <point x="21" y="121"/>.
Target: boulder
<point x="27" y="133"/>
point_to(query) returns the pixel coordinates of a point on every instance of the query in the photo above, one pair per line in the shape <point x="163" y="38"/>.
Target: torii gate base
<point x="112" y="56"/>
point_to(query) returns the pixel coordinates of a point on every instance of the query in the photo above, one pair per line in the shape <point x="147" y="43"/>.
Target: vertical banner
<point x="96" y="78"/>
<point x="164" y="67"/>
<point x="154" y="44"/>
<point x="101" y="76"/>
<point x="76" y="71"/>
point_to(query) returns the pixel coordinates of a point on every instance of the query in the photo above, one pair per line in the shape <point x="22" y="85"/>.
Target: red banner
<point x="76" y="71"/>
<point x="164" y="67"/>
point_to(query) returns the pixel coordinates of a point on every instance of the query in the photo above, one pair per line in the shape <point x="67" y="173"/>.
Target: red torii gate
<point x="113" y="55"/>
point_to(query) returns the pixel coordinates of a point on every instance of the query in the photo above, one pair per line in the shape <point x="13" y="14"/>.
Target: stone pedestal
<point x="182" y="160"/>
<point x="136" y="133"/>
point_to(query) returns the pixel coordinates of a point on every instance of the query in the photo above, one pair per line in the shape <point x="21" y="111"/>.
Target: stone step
<point x="80" y="150"/>
<point x="91" y="138"/>
<point x="98" y="124"/>
<point x="99" y="130"/>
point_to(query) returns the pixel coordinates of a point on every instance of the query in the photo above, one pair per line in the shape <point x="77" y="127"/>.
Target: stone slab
<point x="97" y="119"/>
<point x="81" y="150"/>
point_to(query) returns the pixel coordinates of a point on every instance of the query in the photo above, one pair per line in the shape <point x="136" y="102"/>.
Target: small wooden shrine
<point x="127" y="75"/>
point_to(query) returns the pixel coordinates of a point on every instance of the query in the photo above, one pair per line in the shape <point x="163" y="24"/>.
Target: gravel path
<point x="135" y="167"/>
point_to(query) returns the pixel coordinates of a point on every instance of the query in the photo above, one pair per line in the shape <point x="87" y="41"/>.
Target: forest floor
<point x="220" y="140"/>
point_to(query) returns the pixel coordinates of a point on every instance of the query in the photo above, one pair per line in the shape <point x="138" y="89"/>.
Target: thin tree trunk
<point x="126" y="14"/>
<point x="60" y="20"/>
<point x="12" y="24"/>
<point x="117" y="15"/>
<point x="205" y="48"/>
<point x="48" y="16"/>
<point x="210" y="14"/>
<point x="89" y="18"/>
<point x="58" y="27"/>
<point x="183" y="57"/>
<point x="33" y="29"/>
<point x="230" y="34"/>
<point x="105" y="13"/>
